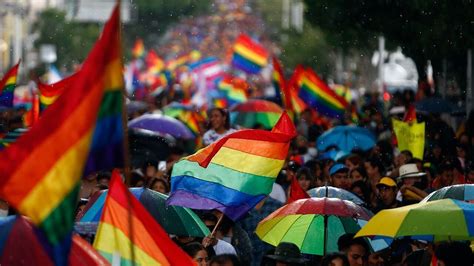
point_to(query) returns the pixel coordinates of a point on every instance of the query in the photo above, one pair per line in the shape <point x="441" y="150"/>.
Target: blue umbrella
<point x="435" y="105"/>
<point x="333" y="155"/>
<point x="334" y="192"/>
<point x="163" y="125"/>
<point x="346" y="138"/>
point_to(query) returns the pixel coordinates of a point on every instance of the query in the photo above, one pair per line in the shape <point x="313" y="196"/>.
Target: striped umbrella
<point x="438" y="220"/>
<point x="463" y="192"/>
<point x="256" y="112"/>
<point x="314" y="224"/>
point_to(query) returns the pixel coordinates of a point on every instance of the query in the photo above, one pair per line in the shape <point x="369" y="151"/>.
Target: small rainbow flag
<point x="128" y="231"/>
<point x="297" y="104"/>
<point x="40" y="173"/>
<point x="138" y="50"/>
<point x="234" y="89"/>
<point x="235" y="173"/>
<point x="49" y="93"/>
<point x="249" y="56"/>
<point x="7" y="86"/>
<point x="174" y="63"/>
<point x="154" y="63"/>
<point x="319" y="96"/>
<point x="282" y="91"/>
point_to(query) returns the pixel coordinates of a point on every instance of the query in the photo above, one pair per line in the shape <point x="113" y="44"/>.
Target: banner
<point x="410" y="136"/>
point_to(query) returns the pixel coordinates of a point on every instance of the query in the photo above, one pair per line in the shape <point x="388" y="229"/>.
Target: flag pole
<point x="126" y="158"/>
<point x="215" y="229"/>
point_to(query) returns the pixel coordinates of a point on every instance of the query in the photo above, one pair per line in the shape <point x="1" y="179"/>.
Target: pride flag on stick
<point x="235" y="173"/>
<point x="249" y="56"/>
<point x="7" y="86"/>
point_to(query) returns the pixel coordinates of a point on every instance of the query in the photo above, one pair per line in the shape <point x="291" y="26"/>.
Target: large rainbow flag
<point x="49" y="93"/>
<point x="249" y="56"/>
<point x="40" y="173"/>
<point x="235" y="173"/>
<point x="7" y="86"/>
<point x="319" y="96"/>
<point x="129" y="232"/>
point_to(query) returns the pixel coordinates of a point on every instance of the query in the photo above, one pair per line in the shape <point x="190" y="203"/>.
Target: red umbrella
<point x="18" y="235"/>
<point x="256" y="112"/>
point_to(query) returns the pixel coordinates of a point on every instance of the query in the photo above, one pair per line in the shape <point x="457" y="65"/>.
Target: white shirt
<point x="223" y="247"/>
<point x="278" y="193"/>
<point x="211" y="136"/>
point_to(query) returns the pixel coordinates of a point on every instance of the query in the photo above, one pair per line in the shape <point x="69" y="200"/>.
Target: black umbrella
<point x="146" y="146"/>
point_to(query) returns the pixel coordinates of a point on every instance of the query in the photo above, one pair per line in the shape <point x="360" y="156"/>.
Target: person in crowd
<point x="225" y="260"/>
<point x="219" y="246"/>
<point x="445" y="176"/>
<point x="355" y="249"/>
<point x="250" y="222"/>
<point x="233" y="234"/>
<point x="103" y="178"/>
<point x="375" y="171"/>
<point x="334" y="259"/>
<point x="339" y="176"/>
<point x="358" y="174"/>
<point x="286" y="254"/>
<point x="219" y="126"/>
<point x="387" y="193"/>
<point x="454" y="253"/>
<point x="412" y="190"/>
<point x="360" y="189"/>
<point x="353" y="161"/>
<point x="305" y="179"/>
<point x="316" y="167"/>
<point x="197" y="252"/>
<point x="159" y="185"/>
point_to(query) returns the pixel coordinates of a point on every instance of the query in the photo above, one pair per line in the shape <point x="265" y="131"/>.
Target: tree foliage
<point x="73" y="41"/>
<point x="424" y="29"/>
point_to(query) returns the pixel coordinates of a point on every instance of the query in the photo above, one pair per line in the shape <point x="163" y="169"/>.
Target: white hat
<point x="410" y="170"/>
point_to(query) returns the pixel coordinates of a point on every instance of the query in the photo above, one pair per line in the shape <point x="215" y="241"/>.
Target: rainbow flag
<point x="297" y="104"/>
<point x="138" y="50"/>
<point x="174" y="63"/>
<point x="235" y="173"/>
<point x="282" y="91"/>
<point x="7" y="86"/>
<point x="233" y="89"/>
<point x="186" y="114"/>
<point x="249" y="56"/>
<point x="154" y="63"/>
<point x="319" y="96"/>
<point x="220" y="103"/>
<point x="49" y="93"/>
<point x="40" y="173"/>
<point x="128" y="231"/>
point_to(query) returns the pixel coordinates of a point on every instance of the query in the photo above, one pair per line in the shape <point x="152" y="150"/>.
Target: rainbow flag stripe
<point x="49" y="93"/>
<point x="235" y="173"/>
<point x="138" y="50"/>
<point x="46" y="189"/>
<point x="282" y="91"/>
<point x="141" y="242"/>
<point x="249" y="56"/>
<point x="318" y="95"/>
<point x="7" y="86"/>
<point x="174" y="63"/>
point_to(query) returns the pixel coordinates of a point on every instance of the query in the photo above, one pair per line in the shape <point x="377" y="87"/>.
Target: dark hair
<point x="345" y="241"/>
<point x="326" y="261"/>
<point x="103" y="175"/>
<point x="135" y="178"/>
<point x="223" y="259"/>
<point x="454" y="253"/>
<point x="224" y="113"/>
<point x="374" y="162"/>
<point x="207" y="216"/>
<point x="407" y="153"/>
<point x="161" y="180"/>
<point x="361" y="171"/>
<point x="363" y="187"/>
<point x="193" y="248"/>
<point x="354" y="159"/>
<point x="306" y="172"/>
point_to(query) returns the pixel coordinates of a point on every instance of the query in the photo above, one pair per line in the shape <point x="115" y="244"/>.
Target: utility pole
<point x="381" y="62"/>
